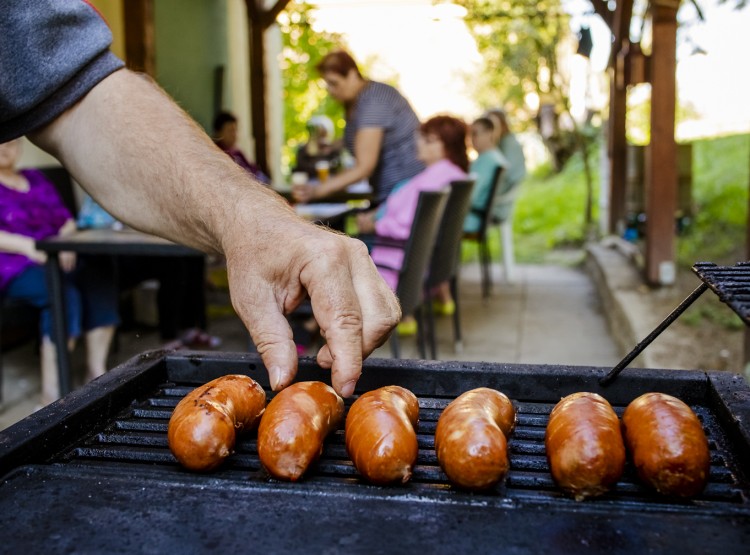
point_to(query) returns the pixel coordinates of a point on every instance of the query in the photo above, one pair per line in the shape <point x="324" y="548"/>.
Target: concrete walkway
<point x="550" y="315"/>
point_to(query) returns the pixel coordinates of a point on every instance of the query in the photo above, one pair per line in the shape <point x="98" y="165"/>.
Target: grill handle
<point x="690" y="299"/>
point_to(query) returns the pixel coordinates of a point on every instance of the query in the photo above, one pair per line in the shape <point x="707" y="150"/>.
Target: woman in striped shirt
<point x="381" y="130"/>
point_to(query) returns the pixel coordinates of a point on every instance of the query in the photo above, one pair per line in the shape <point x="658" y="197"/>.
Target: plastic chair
<point x="446" y="258"/>
<point x="485" y="215"/>
<point x="507" y="199"/>
<point x="418" y="249"/>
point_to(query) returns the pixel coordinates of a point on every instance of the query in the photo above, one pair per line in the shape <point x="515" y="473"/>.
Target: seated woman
<point x="515" y="171"/>
<point x="225" y="136"/>
<point x="319" y="148"/>
<point x="483" y="168"/>
<point x="31" y="209"/>
<point x="441" y="145"/>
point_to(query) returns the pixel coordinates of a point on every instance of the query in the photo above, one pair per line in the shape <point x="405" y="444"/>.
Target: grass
<point x="721" y="168"/>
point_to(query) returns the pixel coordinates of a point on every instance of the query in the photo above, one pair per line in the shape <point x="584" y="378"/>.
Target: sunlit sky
<point x="434" y="56"/>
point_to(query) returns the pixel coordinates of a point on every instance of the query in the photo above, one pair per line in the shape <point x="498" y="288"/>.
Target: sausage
<point x="204" y="423"/>
<point x="470" y="439"/>
<point x="291" y="432"/>
<point x="667" y="444"/>
<point x="381" y="436"/>
<point x="584" y="445"/>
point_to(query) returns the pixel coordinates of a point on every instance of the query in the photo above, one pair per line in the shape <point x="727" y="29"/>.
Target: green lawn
<point x="550" y="208"/>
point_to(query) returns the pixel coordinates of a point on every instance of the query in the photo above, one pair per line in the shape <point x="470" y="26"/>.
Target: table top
<point x="357" y="192"/>
<point x="115" y="242"/>
<point x="323" y="211"/>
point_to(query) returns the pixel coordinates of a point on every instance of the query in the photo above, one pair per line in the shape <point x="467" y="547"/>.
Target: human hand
<point x="303" y="193"/>
<point x="354" y="307"/>
<point x="67" y="261"/>
<point x="40" y="257"/>
<point x="366" y="222"/>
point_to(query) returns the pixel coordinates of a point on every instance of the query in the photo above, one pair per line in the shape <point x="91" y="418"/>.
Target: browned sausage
<point x="584" y="445"/>
<point x="297" y="420"/>
<point x="470" y="438"/>
<point x="203" y="425"/>
<point x="381" y="436"/>
<point x="667" y="443"/>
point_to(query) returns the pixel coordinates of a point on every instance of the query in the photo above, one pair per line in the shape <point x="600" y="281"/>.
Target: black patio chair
<point x="418" y="249"/>
<point x="446" y="258"/>
<point x="485" y="214"/>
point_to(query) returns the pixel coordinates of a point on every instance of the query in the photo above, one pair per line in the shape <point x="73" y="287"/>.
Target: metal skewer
<point x="609" y="378"/>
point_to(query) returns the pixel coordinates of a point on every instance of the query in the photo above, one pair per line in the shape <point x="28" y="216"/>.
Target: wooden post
<point x="139" y="36"/>
<point x="617" y="113"/>
<point x="617" y="153"/>
<point x="258" y="92"/>
<point x="260" y="19"/>
<point x="747" y="257"/>
<point x="661" y="155"/>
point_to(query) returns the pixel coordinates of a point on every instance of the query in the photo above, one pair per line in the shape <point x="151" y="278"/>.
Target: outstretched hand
<point x="354" y="307"/>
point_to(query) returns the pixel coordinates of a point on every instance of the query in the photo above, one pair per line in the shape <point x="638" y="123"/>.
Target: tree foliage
<point x="304" y="92"/>
<point x="518" y="40"/>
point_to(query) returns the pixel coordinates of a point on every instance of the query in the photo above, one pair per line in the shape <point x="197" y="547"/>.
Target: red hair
<point x="452" y="133"/>
<point x="339" y="62"/>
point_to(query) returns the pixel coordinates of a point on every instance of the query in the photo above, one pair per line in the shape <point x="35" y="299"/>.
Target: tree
<point x="519" y="41"/>
<point x="304" y="92"/>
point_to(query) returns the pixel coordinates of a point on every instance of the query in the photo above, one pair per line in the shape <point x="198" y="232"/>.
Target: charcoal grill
<point x="92" y="473"/>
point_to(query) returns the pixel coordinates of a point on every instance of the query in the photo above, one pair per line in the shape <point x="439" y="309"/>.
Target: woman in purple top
<point x="31" y="209"/>
<point x="441" y="145"/>
<point x="225" y="137"/>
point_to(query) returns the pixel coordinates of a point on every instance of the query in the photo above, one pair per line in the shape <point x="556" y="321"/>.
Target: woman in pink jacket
<point x="441" y="145"/>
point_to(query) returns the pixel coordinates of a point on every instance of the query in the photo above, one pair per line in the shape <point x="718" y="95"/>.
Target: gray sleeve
<point x="52" y="53"/>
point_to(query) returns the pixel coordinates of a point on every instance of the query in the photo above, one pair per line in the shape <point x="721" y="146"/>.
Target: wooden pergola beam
<point x="260" y="19"/>
<point x="140" y="53"/>
<point x="661" y="154"/>
<point x="601" y="7"/>
<point x="617" y="113"/>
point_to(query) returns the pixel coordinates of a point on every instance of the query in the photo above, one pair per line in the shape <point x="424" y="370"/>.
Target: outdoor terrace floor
<point x="551" y="314"/>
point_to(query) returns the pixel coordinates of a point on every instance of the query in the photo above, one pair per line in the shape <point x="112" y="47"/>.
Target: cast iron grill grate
<point x="730" y="283"/>
<point x="137" y="439"/>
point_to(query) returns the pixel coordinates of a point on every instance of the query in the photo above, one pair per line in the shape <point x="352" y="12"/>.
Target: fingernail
<point x="274" y="376"/>
<point x="348" y="388"/>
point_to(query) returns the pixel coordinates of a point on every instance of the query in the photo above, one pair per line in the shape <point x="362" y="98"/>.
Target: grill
<point x="730" y="283"/>
<point x="93" y="473"/>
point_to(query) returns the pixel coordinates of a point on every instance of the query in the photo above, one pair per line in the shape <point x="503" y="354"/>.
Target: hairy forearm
<point x="147" y="163"/>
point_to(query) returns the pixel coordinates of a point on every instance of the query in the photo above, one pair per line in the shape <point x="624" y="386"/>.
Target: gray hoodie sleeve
<point x="52" y="52"/>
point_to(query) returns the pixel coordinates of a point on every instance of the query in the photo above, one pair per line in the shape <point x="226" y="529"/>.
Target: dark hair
<point x="222" y="118"/>
<point x="499" y="114"/>
<point x="452" y="133"/>
<point x="485" y="123"/>
<point x="339" y="62"/>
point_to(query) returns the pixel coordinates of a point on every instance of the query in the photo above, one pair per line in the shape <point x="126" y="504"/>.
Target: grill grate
<point x="137" y="438"/>
<point x="730" y="283"/>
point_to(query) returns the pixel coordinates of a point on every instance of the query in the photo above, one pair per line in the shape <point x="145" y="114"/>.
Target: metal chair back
<point x="447" y="254"/>
<point x="419" y="248"/>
